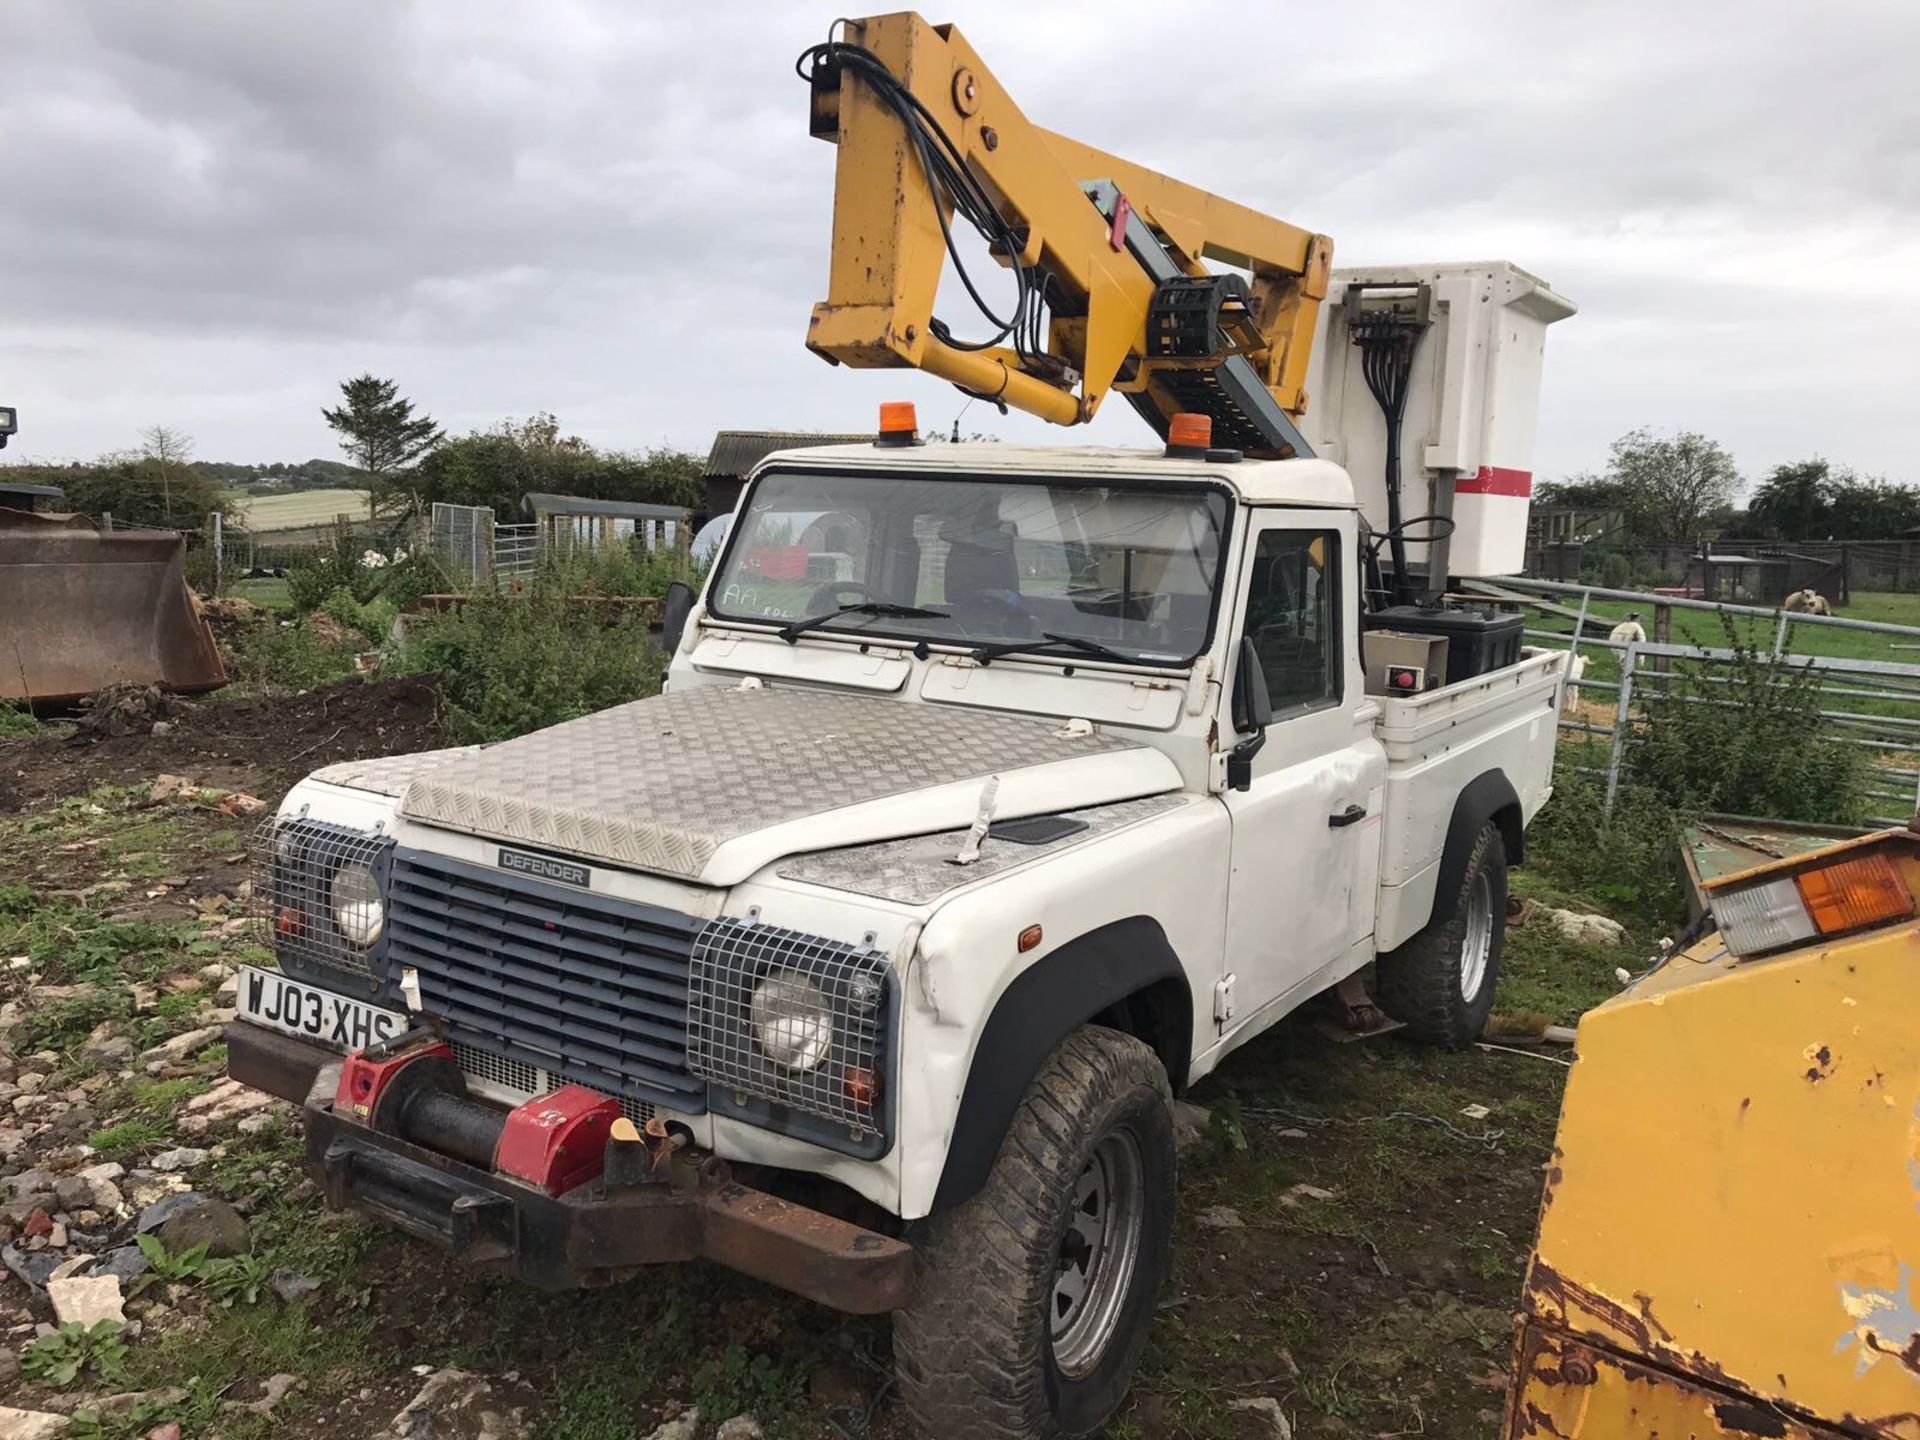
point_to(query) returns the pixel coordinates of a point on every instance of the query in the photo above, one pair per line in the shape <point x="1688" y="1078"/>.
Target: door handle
<point x="1349" y="816"/>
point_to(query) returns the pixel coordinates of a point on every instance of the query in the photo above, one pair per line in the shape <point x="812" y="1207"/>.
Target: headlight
<point x="791" y="1020"/>
<point x="359" y="910"/>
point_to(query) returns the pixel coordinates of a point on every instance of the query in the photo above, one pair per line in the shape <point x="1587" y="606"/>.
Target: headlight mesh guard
<point x="294" y="862"/>
<point x="730" y="959"/>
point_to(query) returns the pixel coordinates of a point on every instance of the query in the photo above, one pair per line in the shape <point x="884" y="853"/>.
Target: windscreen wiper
<point x="792" y="632"/>
<point x="1050" y="640"/>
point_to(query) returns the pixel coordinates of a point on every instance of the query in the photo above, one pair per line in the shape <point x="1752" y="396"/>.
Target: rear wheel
<point x="1440" y="983"/>
<point x="1032" y="1299"/>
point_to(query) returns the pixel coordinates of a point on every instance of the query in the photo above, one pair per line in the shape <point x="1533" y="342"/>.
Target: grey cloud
<point x="213" y="210"/>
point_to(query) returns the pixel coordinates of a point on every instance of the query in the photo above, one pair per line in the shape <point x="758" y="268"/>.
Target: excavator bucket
<point x="80" y="610"/>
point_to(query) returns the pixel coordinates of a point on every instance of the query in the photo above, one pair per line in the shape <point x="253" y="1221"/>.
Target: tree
<point x="140" y="492"/>
<point x="1793" y="502"/>
<point x="169" y="450"/>
<point x="379" y="431"/>
<point x="1671" y="486"/>
<point x="498" y="467"/>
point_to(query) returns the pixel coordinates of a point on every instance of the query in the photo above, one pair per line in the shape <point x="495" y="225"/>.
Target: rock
<point x="57" y="1237"/>
<point x="183" y="1157"/>
<point x="1190" y="1125"/>
<point x="740" y="1427"/>
<point x="188" y="1219"/>
<point x="1266" y="1408"/>
<point x="29" y="1424"/>
<point x="74" y="1192"/>
<point x="254" y="1124"/>
<point x="9" y="1367"/>
<point x="31" y="1270"/>
<point x="144" y="997"/>
<point x="170" y="1430"/>
<point x="457" y="1402"/>
<point x="273" y="1390"/>
<point x="225" y="1102"/>
<point x="1584" y="928"/>
<point x="1294" y="1194"/>
<point x="145" y="1188"/>
<point x="290" y="1285"/>
<point x="115" y="1407"/>
<point x="1220" y="1217"/>
<point x="681" y="1427"/>
<point x="38" y="1223"/>
<point x="169" y="787"/>
<point x="32" y="1182"/>
<point x="124" y="1263"/>
<point x="32" y="1083"/>
<point x="86" y="1299"/>
<point x="181" y="1046"/>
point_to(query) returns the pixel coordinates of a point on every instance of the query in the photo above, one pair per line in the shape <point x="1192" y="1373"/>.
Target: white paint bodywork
<point x="1253" y="886"/>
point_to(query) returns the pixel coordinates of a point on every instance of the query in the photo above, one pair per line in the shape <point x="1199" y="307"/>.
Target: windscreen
<point x="1134" y="568"/>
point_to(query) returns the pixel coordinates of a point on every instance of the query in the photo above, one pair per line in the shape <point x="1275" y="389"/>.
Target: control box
<point x="1472" y="406"/>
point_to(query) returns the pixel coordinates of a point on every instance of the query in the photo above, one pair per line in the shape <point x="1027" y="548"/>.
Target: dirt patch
<point x="261" y="745"/>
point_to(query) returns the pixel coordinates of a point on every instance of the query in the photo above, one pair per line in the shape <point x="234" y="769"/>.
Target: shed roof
<point x="736" y="452"/>
<point x="542" y="503"/>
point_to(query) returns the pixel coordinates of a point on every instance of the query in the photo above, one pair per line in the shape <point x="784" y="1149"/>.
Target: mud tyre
<point x="1032" y="1300"/>
<point x="1440" y="983"/>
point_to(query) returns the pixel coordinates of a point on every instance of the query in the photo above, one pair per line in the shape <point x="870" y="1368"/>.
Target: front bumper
<point x="594" y="1234"/>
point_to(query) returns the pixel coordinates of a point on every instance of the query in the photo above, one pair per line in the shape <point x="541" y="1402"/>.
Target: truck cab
<point x="990" y="785"/>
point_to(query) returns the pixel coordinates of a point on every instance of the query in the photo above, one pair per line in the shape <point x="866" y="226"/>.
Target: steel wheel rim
<point x="1477" y="947"/>
<point x="1099" y="1252"/>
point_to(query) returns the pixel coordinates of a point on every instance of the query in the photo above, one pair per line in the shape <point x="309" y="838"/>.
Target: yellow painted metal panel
<point x="1735" y="1193"/>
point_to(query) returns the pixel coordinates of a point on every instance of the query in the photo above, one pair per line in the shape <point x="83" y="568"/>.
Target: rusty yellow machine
<point x="1731" y="1226"/>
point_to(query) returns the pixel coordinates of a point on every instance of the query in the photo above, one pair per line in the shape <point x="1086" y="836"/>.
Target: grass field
<point x="303" y="508"/>
<point x="1700" y="627"/>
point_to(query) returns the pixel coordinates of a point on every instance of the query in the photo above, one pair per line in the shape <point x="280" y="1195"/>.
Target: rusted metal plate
<point x="1565" y="1390"/>
<point x="820" y="1256"/>
<point x="80" y="610"/>
<point x="1734" y="1197"/>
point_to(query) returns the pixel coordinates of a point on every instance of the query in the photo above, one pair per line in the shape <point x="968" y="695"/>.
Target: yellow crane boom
<point x="1111" y="253"/>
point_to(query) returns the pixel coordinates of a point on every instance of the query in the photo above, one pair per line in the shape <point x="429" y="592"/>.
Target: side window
<point x="1293" y="616"/>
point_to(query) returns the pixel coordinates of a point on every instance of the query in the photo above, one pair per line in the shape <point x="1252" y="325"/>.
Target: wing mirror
<point x="674" y="611"/>
<point x="1252" y="710"/>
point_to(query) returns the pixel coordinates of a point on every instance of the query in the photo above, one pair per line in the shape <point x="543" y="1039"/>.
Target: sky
<point x="213" y="211"/>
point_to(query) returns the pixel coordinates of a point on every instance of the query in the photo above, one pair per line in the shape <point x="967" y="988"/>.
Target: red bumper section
<point x="563" y="1191"/>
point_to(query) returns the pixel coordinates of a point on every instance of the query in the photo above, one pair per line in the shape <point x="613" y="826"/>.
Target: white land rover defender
<point x="996" y="796"/>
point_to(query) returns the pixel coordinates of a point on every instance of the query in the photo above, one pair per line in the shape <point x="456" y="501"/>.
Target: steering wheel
<point x="827" y="596"/>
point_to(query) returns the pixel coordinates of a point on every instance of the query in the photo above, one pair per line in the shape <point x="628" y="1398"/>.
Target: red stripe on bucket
<point x="1494" y="480"/>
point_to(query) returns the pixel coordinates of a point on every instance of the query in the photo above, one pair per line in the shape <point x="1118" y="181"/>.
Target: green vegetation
<point x="511" y="663"/>
<point x="60" y="1359"/>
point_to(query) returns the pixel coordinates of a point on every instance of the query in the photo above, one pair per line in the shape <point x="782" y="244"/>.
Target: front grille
<point x="495" y="1077"/>
<point x="578" y="986"/>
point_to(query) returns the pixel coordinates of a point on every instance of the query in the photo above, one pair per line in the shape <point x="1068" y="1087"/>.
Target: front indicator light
<point x="1852" y="893"/>
<point x="1842" y="895"/>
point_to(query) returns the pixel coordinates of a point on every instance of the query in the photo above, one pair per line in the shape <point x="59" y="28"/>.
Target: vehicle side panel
<point x="1171" y="870"/>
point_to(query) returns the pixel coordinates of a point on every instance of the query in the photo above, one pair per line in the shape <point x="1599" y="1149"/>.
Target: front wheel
<point x="1440" y="983"/>
<point x="1032" y="1299"/>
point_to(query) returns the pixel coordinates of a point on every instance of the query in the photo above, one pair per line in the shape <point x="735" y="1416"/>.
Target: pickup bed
<point x="996" y="795"/>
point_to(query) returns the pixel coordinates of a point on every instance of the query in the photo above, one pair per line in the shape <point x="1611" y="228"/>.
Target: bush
<point x="511" y="662"/>
<point x="1746" y="738"/>
<point x="292" y="656"/>
<point x="1626" y="858"/>
<point x="397" y="574"/>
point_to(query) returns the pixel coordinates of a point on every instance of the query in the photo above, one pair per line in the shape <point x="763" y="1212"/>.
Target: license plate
<point x="293" y="1008"/>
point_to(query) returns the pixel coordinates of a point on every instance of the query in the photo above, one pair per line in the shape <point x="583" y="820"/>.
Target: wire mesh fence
<point x="1866" y="701"/>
